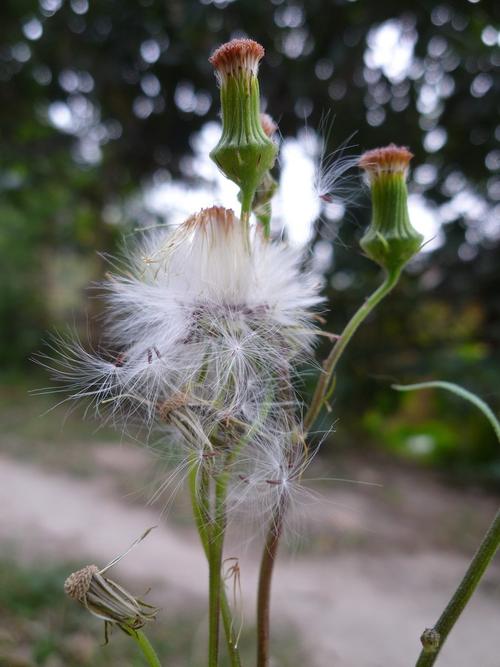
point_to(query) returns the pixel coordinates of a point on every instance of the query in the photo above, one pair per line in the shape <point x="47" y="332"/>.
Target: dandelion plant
<point x="207" y="328"/>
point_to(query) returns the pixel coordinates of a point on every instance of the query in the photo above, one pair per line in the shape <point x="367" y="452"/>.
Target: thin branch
<point x="434" y="638"/>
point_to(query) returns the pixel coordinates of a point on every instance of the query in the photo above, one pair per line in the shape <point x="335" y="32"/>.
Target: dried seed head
<point x="77" y="584"/>
<point x="390" y="159"/>
<point x="236" y="56"/>
<point x="107" y="600"/>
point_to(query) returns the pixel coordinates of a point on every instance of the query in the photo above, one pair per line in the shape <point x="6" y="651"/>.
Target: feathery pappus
<point x="207" y="323"/>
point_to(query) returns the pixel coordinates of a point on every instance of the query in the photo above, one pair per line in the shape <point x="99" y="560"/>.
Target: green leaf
<point x="459" y="391"/>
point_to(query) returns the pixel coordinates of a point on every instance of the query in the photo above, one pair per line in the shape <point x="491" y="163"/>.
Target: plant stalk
<point x="145" y="646"/>
<point x="319" y="397"/>
<point x="215" y="551"/>
<point x="475" y="571"/>
<point x="264" y="588"/>
<point x="329" y="365"/>
<point x="201" y="510"/>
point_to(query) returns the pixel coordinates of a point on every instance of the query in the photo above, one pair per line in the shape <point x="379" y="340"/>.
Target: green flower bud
<point x="244" y="152"/>
<point x="390" y="240"/>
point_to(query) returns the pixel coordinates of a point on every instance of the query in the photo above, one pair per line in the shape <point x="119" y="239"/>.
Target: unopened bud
<point x="244" y="152"/>
<point x="390" y="240"/>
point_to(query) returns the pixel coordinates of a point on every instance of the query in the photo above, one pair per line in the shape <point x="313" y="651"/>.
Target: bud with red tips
<point x="390" y="240"/>
<point x="244" y="152"/>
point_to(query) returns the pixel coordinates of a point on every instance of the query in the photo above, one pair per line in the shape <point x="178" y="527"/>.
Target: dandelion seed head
<point x="203" y="326"/>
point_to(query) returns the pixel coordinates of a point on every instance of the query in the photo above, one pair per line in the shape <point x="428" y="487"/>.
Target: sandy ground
<point x="360" y="601"/>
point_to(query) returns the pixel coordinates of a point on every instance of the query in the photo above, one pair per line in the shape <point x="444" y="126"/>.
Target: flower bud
<point x="244" y="152"/>
<point x="390" y="240"/>
<point x="431" y="640"/>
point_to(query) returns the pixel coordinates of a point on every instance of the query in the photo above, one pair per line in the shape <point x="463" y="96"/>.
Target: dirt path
<point x="360" y="608"/>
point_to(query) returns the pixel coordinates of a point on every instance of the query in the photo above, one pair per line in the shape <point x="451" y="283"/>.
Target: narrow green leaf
<point x="459" y="391"/>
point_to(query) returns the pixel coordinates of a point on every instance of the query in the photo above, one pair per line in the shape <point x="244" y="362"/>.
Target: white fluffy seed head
<point x="201" y="312"/>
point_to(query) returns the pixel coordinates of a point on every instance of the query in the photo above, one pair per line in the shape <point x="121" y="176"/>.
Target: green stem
<point x="462" y="595"/>
<point x="145" y="646"/>
<point x="247" y="196"/>
<point x="215" y="550"/>
<point x="199" y="501"/>
<point x="333" y="358"/>
<point x="246" y="209"/>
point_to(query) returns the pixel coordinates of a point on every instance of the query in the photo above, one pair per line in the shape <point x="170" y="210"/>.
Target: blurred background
<point x="108" y="111"/>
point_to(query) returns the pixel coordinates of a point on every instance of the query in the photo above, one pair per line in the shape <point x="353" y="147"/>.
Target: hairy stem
<point x="199" y="500"/>
<point x="145" y="646"/>
<point x="333" y="358"/>
<point x="264" y="589"/>
<point x="462" y="595"/>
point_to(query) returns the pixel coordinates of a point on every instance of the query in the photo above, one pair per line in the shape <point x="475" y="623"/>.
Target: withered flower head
<point x="106" y="599"/>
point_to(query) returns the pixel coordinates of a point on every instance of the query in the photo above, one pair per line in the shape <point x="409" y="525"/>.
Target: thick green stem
<point x="145" y="646"/>
<point x="462" y="595"/>
<point x="333" y="358"/>
<point x="199" y="501"/>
